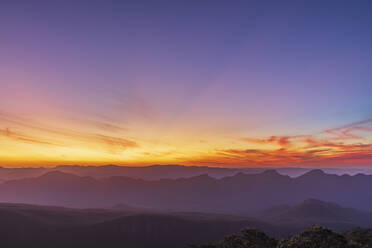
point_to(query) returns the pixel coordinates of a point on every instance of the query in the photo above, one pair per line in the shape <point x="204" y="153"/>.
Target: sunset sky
<point x="218" y="83"/>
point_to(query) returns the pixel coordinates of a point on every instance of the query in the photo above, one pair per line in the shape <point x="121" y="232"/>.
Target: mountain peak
<point x="58" y="174"/>
<point x="202" y="176"/>
<point x="316" y="172"/>
<point x="317" y="202"/>
<point x="271" y="172"/>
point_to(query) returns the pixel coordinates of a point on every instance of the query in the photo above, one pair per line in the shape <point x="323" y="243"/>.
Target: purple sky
<point x="187" y="78"/>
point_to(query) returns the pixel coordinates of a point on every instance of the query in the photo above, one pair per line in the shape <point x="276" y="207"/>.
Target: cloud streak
<point x="342" y="146"/>
<point x="283" y="141"/>
<point x="112" y="144"/>
<point x="346" y="131"/>
<point x="7" y="133"/>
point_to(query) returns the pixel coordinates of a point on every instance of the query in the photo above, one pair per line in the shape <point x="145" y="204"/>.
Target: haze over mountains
<point x="237" y="194"/>
<point x="156" y="172"/>
<point x="112" y="210"/>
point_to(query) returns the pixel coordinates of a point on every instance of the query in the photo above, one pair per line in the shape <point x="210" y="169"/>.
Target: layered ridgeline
<point x="156" y="172"/>
<point x="314" y="237"/>
<point x="238" y="194"/>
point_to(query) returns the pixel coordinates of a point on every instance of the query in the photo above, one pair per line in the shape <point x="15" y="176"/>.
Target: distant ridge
<point x="239" y="193"/>
<point x="316" y="172"/>
<point x="314" y="211"/>
<point x="156" y="172"/>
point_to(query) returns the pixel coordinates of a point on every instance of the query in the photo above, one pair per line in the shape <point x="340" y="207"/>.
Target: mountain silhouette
<point x="156" y="172"/>
<point x="237" y="194"/>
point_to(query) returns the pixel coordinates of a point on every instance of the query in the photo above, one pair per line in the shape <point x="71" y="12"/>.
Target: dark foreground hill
<point x="28" y="226"/>
<point x="313" y="211"/>
<point x="314" y="237"/>
<point x="44" y="226"/>
<point x="239" y="194"/>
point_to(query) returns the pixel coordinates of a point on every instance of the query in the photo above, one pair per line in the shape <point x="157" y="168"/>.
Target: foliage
<point x="314" y="237"/>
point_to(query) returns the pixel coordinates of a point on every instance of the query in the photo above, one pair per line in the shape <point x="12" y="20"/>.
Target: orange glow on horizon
<point x="34" y="144"/>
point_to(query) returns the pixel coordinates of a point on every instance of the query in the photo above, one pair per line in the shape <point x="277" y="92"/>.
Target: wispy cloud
<point x="116" y="145"/>
<point x="338" y="144"/>
<point x="23" y="138"/>
<point x="344" y="144"/>
<point x="346" y="131"/>
<point x="113" y="144"/>
<point x="282" y="157"/>
<point x="282" y="141"/>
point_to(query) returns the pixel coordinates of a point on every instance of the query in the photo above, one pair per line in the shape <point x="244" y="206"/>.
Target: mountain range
<point x="240" y="194"/>
<point x="156" y="172"/>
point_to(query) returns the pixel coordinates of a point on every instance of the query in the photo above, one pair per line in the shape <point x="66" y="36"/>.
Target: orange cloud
<point x="116" y="144"/>
<point x="112" y="144"/>
<point x="106" y="141"/>
<point x="305" y="149"/>
<point x="283" y="141"/>
<point x="280" y="157"/>
<point x="23" y="138"/>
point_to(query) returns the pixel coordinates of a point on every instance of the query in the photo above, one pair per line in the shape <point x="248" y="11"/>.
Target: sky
<point x="216" y="83"/>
